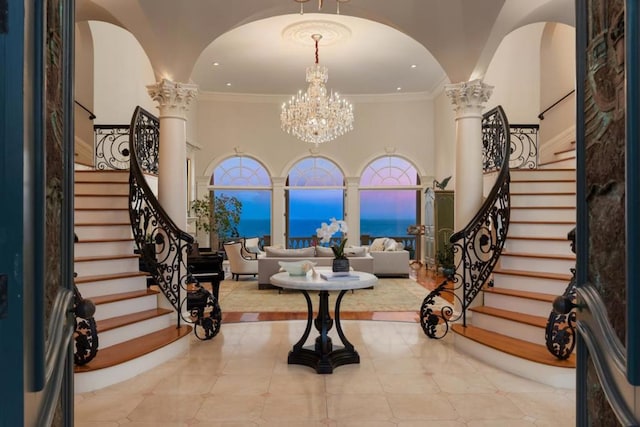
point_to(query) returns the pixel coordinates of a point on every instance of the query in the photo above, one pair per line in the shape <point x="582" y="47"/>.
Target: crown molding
<point x="279" y="99"/>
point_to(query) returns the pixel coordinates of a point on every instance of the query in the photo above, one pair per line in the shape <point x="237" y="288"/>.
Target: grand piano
<point x="205" y="267"/>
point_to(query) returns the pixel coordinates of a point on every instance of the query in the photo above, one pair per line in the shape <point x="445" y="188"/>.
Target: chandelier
<point x="312" y="116"/>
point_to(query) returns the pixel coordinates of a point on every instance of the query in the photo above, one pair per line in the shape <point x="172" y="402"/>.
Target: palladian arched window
<point x="247" y="180"/>
<point x="315" y="193"/>
<point x="389" y="197"/>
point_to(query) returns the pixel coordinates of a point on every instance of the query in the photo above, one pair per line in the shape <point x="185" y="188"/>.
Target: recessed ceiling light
<point x="228" y="84"/>
<point x="215" y="64"/>
<point x="398" y="88"/>
<point x="414" y="66"/>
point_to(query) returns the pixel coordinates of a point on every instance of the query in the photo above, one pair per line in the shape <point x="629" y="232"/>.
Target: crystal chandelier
<point x="312" y="116"/>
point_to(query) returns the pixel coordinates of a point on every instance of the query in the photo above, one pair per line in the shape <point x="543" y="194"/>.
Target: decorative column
<point x="278" y="211"/>
<point x="352" y="210"/>
<point x="173" y="101"/>
<point x="468" y="99"/>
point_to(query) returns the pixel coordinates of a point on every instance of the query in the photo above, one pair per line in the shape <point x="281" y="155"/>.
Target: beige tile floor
<point x="241" y="378"/>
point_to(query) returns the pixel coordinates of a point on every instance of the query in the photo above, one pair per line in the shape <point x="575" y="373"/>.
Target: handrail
<point x="541" y="115"/>
<point x="91" y="115"/>
<point x="479" y="244"/>
<point x="149" y="221"/>
<point x="162" y="244"/>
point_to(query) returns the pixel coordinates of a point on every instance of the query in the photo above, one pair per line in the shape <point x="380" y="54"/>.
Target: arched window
<point x="248" y="181"/>
<point x="389" y="197"/>
<point x="315" y="193"/>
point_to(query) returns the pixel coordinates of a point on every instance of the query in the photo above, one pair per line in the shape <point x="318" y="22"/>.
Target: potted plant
<point x="217" y="216"/>
<point x="325" y="232"/>
<point x="446" y="260"/>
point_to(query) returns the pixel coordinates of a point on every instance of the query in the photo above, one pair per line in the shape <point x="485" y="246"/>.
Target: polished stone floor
<point x="241" y="378"/>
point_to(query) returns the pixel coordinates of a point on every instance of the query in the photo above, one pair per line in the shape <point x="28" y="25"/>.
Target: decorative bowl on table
<point x="296" y="268"/>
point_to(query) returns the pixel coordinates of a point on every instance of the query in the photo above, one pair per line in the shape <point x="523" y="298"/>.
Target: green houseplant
<point x="446" y="260"/>
<point x="218" y="216"/>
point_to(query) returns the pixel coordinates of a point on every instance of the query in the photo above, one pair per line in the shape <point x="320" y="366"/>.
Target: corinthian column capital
<point x="173" y="98"/>
<point x="469" y="97"/>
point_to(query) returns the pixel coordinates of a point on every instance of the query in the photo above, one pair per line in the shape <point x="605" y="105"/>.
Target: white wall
<point x="557" y="76"/>
<point x="121" y="73"/>
<point x="251" y="125"/>
<point x="514" y="72"/>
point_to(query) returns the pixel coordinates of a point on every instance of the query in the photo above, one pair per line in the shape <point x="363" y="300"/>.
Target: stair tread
<point x="100" y="194"/>
<point x="537" y="193"/>
<point x="543" y="207"/>
<point x="103" y="277"/>
<point x="132" y="349"/>
<point x="539" y="274"/>
<point x="541" y="222"/>
<point x="102" y="181"/>
<point x="515" y="347"/>
<point x="551" y="162"/>
<point x="101" y="209"/>
<point x="538" y="255"/>
<point x="542" y="170"/>
<point x="105" y="257"/>
<point x="566" y="150"/>
<point x="538" y="296"/>
<point x="534" y="181"/>
<point x="563" y="239"/>
<point x="527" y="319"/>
<point x="104" y="299"/>
<point x="105" y="224"/>
<point x="128" y="239"/>
<point x="119" y="321"/>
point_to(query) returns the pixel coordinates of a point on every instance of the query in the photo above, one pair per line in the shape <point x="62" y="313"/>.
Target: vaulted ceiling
<point x="371" y="47"/>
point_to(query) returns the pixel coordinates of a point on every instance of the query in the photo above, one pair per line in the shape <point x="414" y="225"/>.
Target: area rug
<point x="389" y="294"/>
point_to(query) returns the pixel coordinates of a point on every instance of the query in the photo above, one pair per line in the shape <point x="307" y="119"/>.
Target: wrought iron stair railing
<point x="161" y="243"/>
<point x="478" y="246"/>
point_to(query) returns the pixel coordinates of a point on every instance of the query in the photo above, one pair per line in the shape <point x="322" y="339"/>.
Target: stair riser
<point x="563" y="214"/>
<point x="539" y="230"/>
<point x="543" y="187"/>
<point x="543" y="200"/>
<point x="118" y="202"/>
<point x="91" y="232"/>
<point x="507" y="327"/>
<point x="551" y="247"/>
<point x="101" y="176"/>
<point x="134" y="330"/>
<point x="124" y="307"/>
<point x="104" y="248"/>
<point x="519" y="305"/>
<point x="107" y="216"/>
<point x="564" y="164"/>
<point x="116" y="286"/>
<point x="543" y="265"/>
<point x="98" y="267"/>
<point x="538" y="174"/>
<point x="530" y="284"/>
<point x="101" y="188"/>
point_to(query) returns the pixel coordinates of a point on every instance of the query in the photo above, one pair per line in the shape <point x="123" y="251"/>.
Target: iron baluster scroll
<point x="85" y="335"/>
<point x="111" y="147"/>
<point x="163" y="246"/>
<point x="478" y="246"/>
<point x="560" y="332"/>
<point x="523" y="144"/>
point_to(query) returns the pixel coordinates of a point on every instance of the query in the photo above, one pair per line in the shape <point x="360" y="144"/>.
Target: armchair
<point x="241" y="262"/>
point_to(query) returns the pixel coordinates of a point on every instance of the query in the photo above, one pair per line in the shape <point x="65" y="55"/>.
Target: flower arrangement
<point x="326" y="231"/>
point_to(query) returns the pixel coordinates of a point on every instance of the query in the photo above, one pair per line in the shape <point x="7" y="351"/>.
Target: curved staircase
<point x="508" y="328"/>
<point x="135" y="334"/>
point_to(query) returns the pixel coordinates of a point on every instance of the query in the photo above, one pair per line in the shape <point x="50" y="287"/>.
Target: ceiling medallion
<point x="302" y="32"/>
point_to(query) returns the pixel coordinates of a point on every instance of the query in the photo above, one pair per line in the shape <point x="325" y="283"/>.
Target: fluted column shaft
<point x="173" y="100"/>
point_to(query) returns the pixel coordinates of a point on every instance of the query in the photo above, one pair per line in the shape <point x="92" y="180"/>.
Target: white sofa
<point x="268" y="263"/>
<point x="389" y="258"/>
